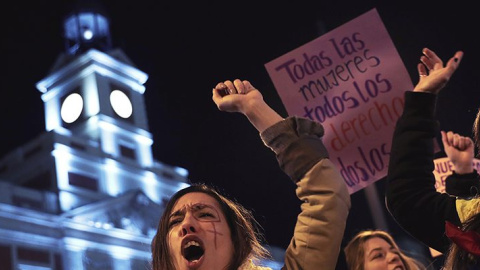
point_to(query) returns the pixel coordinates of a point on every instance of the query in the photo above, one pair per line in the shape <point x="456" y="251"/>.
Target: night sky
<point x="186" y="48"/>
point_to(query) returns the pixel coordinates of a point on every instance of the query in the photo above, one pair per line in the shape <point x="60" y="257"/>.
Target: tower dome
<point x="86" y="26"/>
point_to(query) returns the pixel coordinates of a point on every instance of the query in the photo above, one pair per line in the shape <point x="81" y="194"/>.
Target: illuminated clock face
<point x="121" y="104"/>
<point x="71" y="108"/>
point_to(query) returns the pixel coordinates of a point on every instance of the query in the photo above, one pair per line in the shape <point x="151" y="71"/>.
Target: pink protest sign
<point x="352" y="80"/>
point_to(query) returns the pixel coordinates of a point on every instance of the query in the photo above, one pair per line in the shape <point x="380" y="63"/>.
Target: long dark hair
<point x="246" y="236"/>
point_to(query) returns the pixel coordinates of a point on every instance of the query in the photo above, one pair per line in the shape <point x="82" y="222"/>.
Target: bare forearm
<point x="261" y="115"/>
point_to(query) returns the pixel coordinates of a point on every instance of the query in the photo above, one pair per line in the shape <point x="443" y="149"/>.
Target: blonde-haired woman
<point x="377" y="250"/>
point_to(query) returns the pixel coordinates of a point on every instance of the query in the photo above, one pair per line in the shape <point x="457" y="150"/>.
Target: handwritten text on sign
<point x="351" y="80"/>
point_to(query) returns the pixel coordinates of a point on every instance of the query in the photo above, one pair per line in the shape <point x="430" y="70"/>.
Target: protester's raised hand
<point x="240" y="96"/>
<point x="433" y="74"/>
<point x="235" y="96"/>
<point x="460" y="150"/>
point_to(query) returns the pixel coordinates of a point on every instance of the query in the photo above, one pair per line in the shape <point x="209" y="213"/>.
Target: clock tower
<point x="86" y="193"/>
<point x="95" y="111"/>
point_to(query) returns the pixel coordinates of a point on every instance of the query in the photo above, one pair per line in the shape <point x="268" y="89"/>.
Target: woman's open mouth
<point x="192" y="251"/>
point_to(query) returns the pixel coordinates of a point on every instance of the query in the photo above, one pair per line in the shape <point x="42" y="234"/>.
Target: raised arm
<point x="411" y="197"/>
<point x="301" y="154"/>
<point x="460" y="150"/>
<point x="464" y="181"/>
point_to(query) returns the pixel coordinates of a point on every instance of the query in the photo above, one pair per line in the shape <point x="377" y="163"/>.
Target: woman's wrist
<point x="463" y="168"/>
